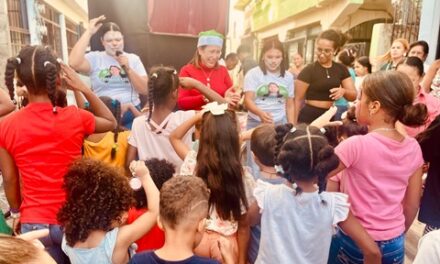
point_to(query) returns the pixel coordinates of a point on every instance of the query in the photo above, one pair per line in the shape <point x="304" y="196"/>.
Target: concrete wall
<point x="5" y="47"/>
<point x="430" y="27"/>
<point x="71" y="9"/>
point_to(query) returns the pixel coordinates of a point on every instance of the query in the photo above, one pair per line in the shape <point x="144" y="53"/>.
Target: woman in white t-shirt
<point x="268" y="88"/>
<point x="268" y="92"/>
<point x="113" y="72"/>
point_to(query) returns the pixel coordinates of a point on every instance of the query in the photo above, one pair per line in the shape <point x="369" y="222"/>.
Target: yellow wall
<point x="73" y="11"/>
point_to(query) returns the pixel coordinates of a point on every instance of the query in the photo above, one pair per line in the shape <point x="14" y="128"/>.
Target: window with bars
<point x="18" y="25"/>
<point x="72" y="33"/>
<point x="51" y="19"/>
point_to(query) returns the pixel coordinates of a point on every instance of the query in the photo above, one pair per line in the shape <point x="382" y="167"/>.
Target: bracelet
<point x="14" y="210"/>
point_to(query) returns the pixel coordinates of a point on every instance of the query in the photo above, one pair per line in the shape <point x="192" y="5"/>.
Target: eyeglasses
<point x="325" y="51"/>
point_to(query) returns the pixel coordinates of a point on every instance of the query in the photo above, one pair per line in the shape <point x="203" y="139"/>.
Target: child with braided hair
<point x="150" y="133"/>
<point x="294" y="220"/>
<point x="40" y="141"/>
<point x="110" y="147"/>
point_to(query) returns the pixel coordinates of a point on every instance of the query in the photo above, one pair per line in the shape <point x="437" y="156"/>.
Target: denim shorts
<point x="128" y="117"/>
<point x="344" y="250"/>
<point x="52" y="242"/>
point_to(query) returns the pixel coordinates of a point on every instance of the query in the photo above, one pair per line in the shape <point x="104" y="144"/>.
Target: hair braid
<point x="280" y="135"/>
<point x="11" y="66"/>
<point x="151" y="93"/>
<point x="117" y="112"/>
<point x="51" y="82"/>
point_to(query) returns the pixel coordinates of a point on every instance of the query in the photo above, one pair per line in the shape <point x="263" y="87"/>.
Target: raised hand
<point x="324" y="119"/>
<point x="138" y="168"/>
<point x="71" y="78"/>
<point x="95" y="24"/>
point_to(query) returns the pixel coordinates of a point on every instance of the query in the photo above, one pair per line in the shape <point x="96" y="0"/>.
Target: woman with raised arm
<point x="113" y="72"/>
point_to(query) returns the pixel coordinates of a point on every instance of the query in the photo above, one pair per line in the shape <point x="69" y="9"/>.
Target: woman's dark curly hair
<point x="161" y="171"/>
<point x="96" y="196"/>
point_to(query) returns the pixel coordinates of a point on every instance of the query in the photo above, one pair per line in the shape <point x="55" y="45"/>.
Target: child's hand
<point x="95" y="24"/>
<point x="324" y="119"/>
<point x="71" y="78"/>
<point x="138" y="168"/>
<point x="226" y="249"/>
<point x="21" y="91"/>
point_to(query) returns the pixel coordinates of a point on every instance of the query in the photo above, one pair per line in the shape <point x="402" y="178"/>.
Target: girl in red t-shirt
<point x="161" y="171"/>
<point x="40" y="141"/>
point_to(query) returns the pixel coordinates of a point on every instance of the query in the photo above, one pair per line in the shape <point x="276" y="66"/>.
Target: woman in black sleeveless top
<point x="324" y="81"/>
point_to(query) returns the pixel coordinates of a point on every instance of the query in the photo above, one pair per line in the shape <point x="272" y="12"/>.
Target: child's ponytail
<point x="280" y="135"/>
<point x="327" y="161"/>
<point x="413" y="115"/>
<point x="11" y="65"/>
<point x="151" y="85"/>
<point x="51" y="82"/>
<point x="116" y="105"/>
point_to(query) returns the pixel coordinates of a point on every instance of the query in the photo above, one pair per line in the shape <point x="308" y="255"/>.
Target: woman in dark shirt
<point x="430" y="207"/>
<point x="324" y="81"/>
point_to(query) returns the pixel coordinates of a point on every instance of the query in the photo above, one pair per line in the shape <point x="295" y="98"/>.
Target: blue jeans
<point x="340" y="111"/>
<point x="128" y="117"/>
<point x="52" y="242"/>
<point x="344" y="250"/>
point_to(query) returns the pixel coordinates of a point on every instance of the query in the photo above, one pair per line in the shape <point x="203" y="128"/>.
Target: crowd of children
<point x="209" y="192"/>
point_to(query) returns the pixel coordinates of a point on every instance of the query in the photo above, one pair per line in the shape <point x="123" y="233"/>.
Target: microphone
<point x="119" y="53"/>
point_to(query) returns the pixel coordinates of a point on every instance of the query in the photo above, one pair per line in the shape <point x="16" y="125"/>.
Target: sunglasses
<point x="324" y="51"/>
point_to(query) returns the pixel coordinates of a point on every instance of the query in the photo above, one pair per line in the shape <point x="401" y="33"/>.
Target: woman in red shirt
<point x="205" y="68"/>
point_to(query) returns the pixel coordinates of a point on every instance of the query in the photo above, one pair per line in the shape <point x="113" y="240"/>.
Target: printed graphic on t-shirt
<point x="114" y="75"/>
<point x="272" y="92"/>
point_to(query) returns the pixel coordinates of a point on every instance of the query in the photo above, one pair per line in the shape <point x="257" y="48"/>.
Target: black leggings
<point x="309" y="113"/>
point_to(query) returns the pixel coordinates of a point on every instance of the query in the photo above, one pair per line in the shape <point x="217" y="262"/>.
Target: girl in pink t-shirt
<point x="382" y="171"/>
